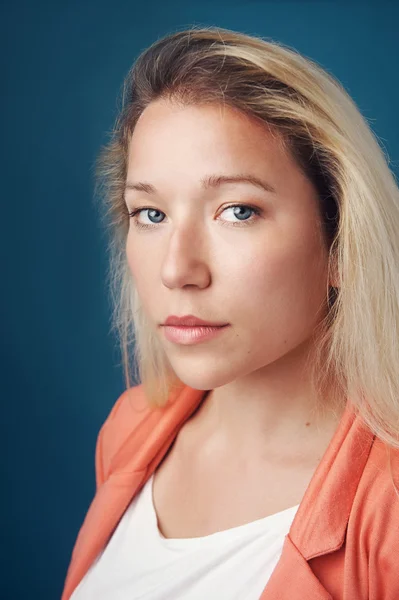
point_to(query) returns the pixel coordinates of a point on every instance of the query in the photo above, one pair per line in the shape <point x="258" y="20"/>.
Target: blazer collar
<point x="319" y="525"/>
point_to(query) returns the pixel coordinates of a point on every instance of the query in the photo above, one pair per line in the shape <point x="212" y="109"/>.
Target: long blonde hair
<point x="359" y="205"/>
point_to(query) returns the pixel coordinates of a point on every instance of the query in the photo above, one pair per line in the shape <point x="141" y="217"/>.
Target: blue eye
<point x="246" y="210"/>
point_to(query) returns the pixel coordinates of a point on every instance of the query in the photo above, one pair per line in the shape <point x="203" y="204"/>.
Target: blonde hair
<point x="359" y="206"/>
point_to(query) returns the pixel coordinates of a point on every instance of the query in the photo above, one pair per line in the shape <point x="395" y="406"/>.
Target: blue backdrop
<point x="63" y="64"/>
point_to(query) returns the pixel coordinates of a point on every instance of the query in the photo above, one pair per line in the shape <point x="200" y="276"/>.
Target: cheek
<point x="281" y="283"/>
<point x="139" y="253"/>
<point x="141" y="266"/>
<point x="132" y="258"/>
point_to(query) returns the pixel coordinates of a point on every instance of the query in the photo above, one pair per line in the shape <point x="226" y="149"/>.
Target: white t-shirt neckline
<point x="280" y="520"/>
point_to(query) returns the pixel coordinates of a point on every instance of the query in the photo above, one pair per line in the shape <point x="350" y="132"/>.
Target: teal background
<point x="63" y="64"/>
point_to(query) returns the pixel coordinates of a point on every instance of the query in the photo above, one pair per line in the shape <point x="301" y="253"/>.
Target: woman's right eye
<point x="137" y="211"/>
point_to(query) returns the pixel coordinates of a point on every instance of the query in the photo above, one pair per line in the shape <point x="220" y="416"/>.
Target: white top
<point x="140" y="563"/>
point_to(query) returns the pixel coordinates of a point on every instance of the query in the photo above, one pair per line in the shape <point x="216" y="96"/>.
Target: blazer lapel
<point x="131" y="466"/>
<point x="320" y="523"/>
<point x="107" y="507"/>
<point x="293" y="579"/>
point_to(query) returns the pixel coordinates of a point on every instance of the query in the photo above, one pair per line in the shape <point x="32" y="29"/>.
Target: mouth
<point x="189" y="335"/>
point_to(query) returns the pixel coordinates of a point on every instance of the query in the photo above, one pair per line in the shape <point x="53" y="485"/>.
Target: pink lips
<point x="191" y="335"/>
<point x="189" y="329"/>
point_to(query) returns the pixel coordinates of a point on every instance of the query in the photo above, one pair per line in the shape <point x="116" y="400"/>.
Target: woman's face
<point x="261" y="268"/>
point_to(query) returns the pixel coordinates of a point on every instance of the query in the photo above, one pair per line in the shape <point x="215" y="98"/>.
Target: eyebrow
<point x="208" y="182"/>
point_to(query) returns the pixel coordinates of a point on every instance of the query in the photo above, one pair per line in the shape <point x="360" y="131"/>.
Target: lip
<point x="192" y="335"/>
<point x="190" y="321"/>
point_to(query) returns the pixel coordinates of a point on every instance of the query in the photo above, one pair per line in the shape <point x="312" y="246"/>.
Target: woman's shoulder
<point x="377" y="498"/>
<point x="382" y="472"/>
<point x="129" y="410"/>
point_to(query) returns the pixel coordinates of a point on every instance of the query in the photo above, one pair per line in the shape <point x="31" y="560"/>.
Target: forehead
<point x="186" y="144"/>
<point x="167" y="127"/>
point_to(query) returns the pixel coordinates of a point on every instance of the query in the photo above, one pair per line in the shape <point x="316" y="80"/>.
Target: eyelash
<point x="135" y="211"/>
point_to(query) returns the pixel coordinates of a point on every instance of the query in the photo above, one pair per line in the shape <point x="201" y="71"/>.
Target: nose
<point x="186" y="258"/>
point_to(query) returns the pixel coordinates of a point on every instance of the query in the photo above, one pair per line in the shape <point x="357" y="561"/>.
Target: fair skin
<point x="265" y="275"/>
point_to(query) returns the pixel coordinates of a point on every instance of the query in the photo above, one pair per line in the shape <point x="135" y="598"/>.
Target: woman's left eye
<point x="243" y="212"/>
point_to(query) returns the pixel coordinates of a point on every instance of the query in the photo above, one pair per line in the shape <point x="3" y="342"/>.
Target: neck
<point x="274" y="411"/>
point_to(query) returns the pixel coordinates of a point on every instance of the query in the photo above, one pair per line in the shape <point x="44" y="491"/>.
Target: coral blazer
<point x="343" y="542"/>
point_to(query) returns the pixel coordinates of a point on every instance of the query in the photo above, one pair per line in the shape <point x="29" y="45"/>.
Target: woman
<point x="255" y="263"/>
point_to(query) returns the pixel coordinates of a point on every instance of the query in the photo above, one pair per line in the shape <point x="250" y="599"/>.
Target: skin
<point x="265" y="275"/>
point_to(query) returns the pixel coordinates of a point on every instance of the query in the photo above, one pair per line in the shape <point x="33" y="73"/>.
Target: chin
<point x="199" y="377"/>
